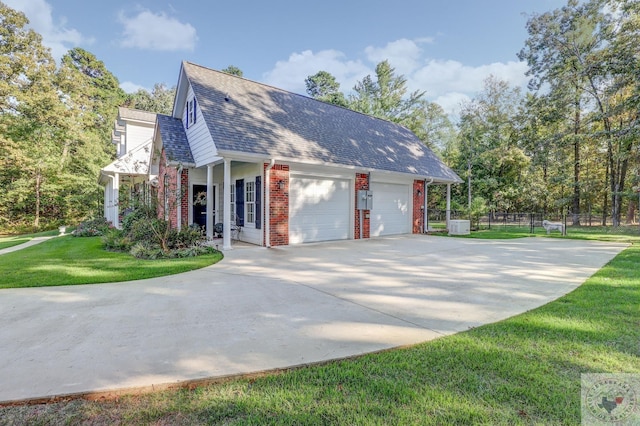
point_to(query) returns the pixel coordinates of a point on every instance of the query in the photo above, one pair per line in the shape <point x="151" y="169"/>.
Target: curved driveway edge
<point x="261" y="309"/>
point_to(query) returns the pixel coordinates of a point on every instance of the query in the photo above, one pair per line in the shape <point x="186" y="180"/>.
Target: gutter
<point x="267" y="204"/>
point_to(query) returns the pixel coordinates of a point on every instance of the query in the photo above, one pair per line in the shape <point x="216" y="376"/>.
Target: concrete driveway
<point x="262" y="309"/>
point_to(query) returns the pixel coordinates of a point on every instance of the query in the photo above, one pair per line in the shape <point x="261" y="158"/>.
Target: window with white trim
<point x="191" y="112"/>
<point x="250" y="201"/>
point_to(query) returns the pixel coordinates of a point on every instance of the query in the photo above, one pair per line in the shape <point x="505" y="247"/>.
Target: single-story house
<point x="284" y="168"/>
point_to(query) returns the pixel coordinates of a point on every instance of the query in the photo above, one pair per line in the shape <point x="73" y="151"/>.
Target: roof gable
<point x="248" y="117"/>
<point x="174" y="140"/>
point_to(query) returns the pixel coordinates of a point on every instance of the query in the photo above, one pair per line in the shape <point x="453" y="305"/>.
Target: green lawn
<point x="622" y="234"/>
<point x="69" y="260"/>
<point x="523" y="370"/>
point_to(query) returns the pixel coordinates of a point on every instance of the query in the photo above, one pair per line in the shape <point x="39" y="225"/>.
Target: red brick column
<point x="279" y="205"/>
<point x="362" y="183"/>
<point x="418" y="203"/>
<point x="184" y="202"/>
<point x="174" y="203"/>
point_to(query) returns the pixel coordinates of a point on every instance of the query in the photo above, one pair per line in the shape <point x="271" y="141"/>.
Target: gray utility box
<point x="365" y="200"/>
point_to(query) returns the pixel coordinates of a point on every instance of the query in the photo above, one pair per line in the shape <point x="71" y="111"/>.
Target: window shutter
<point x="258" y="202"/>
<point x="195" y="110"/>
<point x="240" y="201"/>
<point x="186" y="121"/>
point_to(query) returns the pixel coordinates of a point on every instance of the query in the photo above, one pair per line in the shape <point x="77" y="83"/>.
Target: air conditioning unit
<point x="459" y="227"/>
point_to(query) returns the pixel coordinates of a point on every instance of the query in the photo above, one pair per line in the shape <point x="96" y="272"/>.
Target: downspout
<point x="425" y="211"/>
<point x="180" y="194"/>
<point x="267" y="202"/>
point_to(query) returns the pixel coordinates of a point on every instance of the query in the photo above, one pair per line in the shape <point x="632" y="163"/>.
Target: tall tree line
<point x="54" y="128"/>
<point x="568" y="146"/>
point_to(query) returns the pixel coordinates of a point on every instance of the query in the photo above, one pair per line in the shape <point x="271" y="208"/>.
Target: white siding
<point x="248" y="172"/>
<point x="137" y="134"/>
<point x="202" y="146"/>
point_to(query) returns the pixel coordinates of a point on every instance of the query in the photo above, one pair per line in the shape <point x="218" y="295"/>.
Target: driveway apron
<point x="261" y="309"/>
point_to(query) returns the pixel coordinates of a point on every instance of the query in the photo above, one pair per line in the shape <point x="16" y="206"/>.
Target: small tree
<point x="477" y="209"/>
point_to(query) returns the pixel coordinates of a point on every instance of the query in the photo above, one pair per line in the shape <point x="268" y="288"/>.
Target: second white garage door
<point x="391" y="212"/>
<point x="318" y="209"/>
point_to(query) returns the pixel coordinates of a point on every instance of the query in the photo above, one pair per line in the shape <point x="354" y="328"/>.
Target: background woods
<point x="567" y="145"/>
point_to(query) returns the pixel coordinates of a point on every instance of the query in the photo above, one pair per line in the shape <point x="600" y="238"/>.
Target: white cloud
<point x="157" y="31"/>
<point x="404" y="55"/>
<point x="130" y="87"/>
<point x="291" y="74"/>
<point x="55" y="35"/>
<point x="447" y="82"/>
<point x="438" y="77"/>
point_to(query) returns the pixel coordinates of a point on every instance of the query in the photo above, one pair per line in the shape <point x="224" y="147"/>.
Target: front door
<point x="200" y="205"/>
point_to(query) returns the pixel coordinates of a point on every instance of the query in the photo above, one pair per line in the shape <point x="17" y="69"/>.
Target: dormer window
<point x="191" y="112"/>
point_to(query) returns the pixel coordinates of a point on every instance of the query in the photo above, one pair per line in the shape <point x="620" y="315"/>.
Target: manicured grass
<point x="68" y="260"/>
<point x="14" y="240"/>
<point x="524" y="370"/>
<point x="622" y="234"/>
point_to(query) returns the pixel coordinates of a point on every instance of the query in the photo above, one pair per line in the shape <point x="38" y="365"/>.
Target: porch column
<point x="226" y="206"/>
<point x="448" y="204"/>
<point x="107" y="200"/>
<point x="210" y="202"/>
<point x="116" y="200"/>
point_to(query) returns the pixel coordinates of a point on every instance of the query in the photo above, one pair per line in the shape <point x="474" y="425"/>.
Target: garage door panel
<point x="319" y="209"/>
<point x="391" y="209"/>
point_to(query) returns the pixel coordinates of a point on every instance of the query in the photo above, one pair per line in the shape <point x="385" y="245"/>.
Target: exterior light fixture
<point x="281" y="185"/>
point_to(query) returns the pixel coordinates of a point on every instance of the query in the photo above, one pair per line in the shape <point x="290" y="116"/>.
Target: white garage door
<point x="318" y="209"/>
<point x="391" y="213"/>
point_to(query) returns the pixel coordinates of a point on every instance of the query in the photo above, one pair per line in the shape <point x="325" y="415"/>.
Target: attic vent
<point x="227" y="97"/>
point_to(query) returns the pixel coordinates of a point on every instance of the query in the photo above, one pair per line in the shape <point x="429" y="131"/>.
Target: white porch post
<point x="448" y="204"/>
<point x="226" y="209"/>
<point x="107" y="200"/>
<point x="210" y="202"/>
<point x="116" y="200"/>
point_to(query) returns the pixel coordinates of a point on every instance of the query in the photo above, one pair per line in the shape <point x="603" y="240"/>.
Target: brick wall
<point x="418" y="203"/>
<point x="175" y="198"/>
<point x="362" y="183"/>
<point x="279" y="205"/>
<point x="184" y="203"/>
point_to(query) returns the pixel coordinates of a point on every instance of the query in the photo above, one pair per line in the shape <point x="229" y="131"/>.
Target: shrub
<point x="92" y="227"/>
<point x="136" y="214"/>
<point x="144" y="251"/>
<point x="186" y="237"/>
<point x="116" y="240"/>
<point x="145" y="236"/>
<point x="149" y="231"/>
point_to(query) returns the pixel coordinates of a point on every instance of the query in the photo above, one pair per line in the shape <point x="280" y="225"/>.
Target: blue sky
<point x="444" y="47"/>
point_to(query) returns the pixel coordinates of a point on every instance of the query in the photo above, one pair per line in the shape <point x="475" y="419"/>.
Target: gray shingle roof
<point x="136" y="114"/>
<point x="174" y="140"/>
<point x="250" y="117"/>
